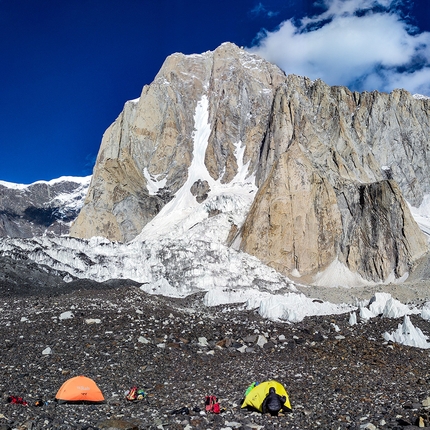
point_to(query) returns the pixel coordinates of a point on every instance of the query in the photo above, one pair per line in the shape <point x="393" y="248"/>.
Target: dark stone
<point x="403" y="422"/>
<point x="318" y="337"/>
<point x="269" y="345"/>
<point x="200" y="190"/>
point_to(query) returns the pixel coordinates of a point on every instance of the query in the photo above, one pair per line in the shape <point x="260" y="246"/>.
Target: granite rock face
<point x="367" y="226"/>
<point x="152" y="139"/>
<point x="333" y="168"/>
<point x="294" y="223"/>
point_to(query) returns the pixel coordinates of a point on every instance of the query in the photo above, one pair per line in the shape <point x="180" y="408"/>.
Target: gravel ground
<point x="337" y="376"/>
<point x="416" y="289"/>
<point x="412" y="292"/>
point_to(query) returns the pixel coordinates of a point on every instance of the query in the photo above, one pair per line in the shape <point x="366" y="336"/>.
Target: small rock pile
<point x="338" y="376"/>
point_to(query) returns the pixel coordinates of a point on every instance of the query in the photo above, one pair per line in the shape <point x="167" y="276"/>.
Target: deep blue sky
<point x="68" y="66"/>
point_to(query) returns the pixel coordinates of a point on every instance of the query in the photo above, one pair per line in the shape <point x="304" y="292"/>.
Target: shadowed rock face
<point x="40" y="208"/>
<point x="380" y="237"/>
<point x="332" y="167"/>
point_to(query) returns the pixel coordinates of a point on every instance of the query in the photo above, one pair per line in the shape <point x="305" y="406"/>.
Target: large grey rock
<point x="333" y="168"/>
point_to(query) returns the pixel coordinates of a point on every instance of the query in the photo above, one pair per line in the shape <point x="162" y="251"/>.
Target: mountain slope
<point x="327" y="170"/>
<point x="42" y="207"/>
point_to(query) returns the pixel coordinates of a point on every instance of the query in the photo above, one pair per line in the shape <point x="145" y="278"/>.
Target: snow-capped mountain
<point x="227" y="177"/>
<point x="41" y="208"/>
<point x="327" y="172"/>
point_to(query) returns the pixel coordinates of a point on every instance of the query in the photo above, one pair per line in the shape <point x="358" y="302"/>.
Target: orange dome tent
<point x="78" y="390"/>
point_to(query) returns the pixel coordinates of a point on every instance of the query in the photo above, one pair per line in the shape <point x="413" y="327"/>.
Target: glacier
<point x="183" y="251"/>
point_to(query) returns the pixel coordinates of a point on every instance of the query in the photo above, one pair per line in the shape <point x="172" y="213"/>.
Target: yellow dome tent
<point x="256" y="395"/>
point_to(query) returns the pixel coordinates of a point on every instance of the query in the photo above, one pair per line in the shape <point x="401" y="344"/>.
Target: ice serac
<point x="333" y="168"/>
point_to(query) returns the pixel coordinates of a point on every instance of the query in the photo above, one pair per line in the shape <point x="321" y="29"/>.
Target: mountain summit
<point x="308" y="178"/>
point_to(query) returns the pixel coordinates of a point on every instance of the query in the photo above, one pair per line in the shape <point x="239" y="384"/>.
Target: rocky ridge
<point x="332" y="168"/>
<point x="41" y="208"/>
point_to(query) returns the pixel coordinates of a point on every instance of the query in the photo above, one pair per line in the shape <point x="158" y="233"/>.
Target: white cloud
<point x="260" y="9"/>
<point x="354" y="44"/>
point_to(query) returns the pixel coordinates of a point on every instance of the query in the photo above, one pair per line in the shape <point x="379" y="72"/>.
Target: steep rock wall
<point x="152" y="139"/>
<point x="332" y="167"/>
<point x="294" y="223"/>
<point x="379" y="239"/>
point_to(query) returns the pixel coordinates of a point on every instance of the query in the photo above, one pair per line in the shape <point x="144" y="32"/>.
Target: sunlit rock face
<point x="331" y="168"/>
<point x="294" y="221"/>
<point x="343" y="181"/>
<point x="152" y="139"/>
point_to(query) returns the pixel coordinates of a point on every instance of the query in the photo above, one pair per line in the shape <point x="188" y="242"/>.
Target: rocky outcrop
<point x="294" y="224"/>
<point x="332" y="167"/>
<point x="367" y="226"/>
<point x="41" y="208"/>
